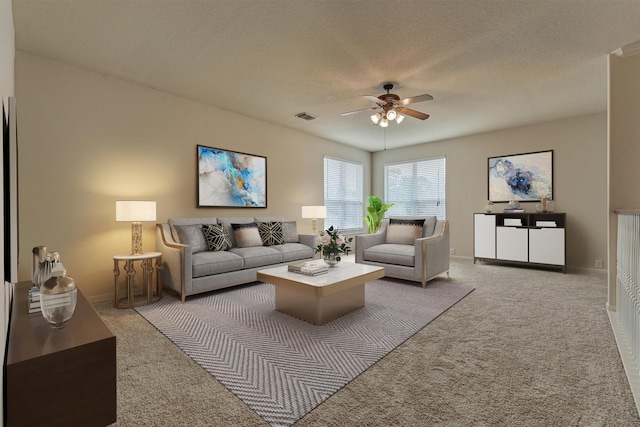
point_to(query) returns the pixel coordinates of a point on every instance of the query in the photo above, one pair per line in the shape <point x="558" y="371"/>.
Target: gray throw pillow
<point x="246" y="235"/>
<point x="271" y="233"/>
<point x="404" y="231"/>
<point x="290" y="232"/>
<point x="193" y="236"/>
<point x="429" y="226"/>
<point x="217" y="239"/>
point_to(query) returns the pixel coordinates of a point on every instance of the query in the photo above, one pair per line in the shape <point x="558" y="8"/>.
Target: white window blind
<point x="416" y="188"/>
<point x="343" y="194"/>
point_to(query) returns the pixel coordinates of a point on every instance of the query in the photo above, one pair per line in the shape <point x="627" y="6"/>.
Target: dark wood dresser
<point x="59" y="377"/>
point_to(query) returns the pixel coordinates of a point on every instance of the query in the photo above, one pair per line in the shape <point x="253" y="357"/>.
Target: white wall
<point x="87" y="140"/>
<point x="624" y="148"/>
<point x="580" y="189"/>
<point x="7" y="50"/>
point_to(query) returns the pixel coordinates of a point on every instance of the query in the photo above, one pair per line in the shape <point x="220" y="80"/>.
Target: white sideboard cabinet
<point x="530" y="238"/>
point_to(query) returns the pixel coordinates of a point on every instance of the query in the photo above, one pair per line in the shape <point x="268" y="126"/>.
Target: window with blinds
<point x="416" y="188"/>
<point x="343" y="194"/>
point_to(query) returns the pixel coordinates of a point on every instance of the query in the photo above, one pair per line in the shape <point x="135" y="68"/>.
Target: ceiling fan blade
<point x="414" y="99"/>
<point x="413" y="113"/>
<point x="359" y="111"/>
<point x="374" y="99"/>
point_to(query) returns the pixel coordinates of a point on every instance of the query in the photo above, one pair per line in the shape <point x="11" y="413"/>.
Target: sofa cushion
<point x="187" y="221"/>
<point x="429" y="223"/>
<point x="294" y="251"/>
<point x="229" y="229"/>
<point x="290" y="232"/>
<point x="216" y="237"/>
<point x="193" y="236"/>
<point x="404" y="231"/>
<point x="257" y="256"/>
<point x="247" y="235"/>
<point x="268" y="219"/>
<point x="429" y="226"/>
<point x="391" y="254"/>
<point x="209" y="263"/>
<point x="271" y="233"/>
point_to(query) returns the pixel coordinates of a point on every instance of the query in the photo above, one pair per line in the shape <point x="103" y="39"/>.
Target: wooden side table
<point x="151" y="287"/>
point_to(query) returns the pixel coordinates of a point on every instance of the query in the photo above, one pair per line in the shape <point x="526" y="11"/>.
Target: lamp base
<point x="136" y="238"/>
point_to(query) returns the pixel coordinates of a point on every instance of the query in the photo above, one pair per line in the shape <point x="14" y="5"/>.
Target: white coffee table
<point x="323" y="298"/>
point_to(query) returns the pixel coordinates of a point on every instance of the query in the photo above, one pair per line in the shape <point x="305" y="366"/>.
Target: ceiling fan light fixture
<point x="391" y="114"/>
<point x="399" y="118"/>
<point x="376" y="118"/>
<point x="384" y="122"/>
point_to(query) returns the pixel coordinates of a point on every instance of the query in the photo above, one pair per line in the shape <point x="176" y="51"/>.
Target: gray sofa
<point x="418" y="256"/>
<point x="191" y="268"/>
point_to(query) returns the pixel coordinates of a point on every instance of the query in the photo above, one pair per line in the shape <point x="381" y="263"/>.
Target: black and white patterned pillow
<point x="247" y="235"/>
<point x="217" y="238"/>
<point x="271" y="233"/>
<point x="404" y="231"/>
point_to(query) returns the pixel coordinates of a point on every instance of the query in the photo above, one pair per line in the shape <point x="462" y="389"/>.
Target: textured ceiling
<point x="489" y="64"/>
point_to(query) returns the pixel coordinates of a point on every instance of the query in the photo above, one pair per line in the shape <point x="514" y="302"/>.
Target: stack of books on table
<point x="59" y="300"/>
<point x="513" y="210"/>
<point x="34" y="300"/>
<point x="546" y="224"/>
<point x="308" y="269"/>
<point x="513" y="222"/>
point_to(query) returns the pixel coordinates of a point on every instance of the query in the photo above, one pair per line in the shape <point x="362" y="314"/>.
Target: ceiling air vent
<point x="306" y="116"/>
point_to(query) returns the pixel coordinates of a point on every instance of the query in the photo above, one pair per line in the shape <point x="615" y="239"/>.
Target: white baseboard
<point x="630" y="367"/>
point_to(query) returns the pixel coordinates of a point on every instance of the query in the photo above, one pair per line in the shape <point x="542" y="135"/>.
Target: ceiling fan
<point x="393" y="108"/>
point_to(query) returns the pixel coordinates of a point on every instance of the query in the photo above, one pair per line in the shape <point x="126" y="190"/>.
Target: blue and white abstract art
<point x="231" y="179"/>
<point x="524" y="177"/>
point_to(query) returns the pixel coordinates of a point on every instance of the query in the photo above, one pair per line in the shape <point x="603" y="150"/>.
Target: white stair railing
<point x="628" y="281"/>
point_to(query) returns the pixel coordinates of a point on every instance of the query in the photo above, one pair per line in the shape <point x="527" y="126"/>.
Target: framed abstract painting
<point x="231" y="179"/>
<point x="524" y="177"/>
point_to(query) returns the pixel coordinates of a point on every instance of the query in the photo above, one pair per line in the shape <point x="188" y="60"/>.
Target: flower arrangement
<point x="331" y="242"/>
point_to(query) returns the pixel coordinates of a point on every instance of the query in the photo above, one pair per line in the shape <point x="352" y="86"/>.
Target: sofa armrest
<point x="177" y="259"/>
<point x="365" y="241"/>
<point x="434" y="252"/>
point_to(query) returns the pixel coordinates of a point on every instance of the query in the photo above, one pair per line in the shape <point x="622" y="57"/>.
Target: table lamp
<point x="135" y="211"/>
<point x="314" y="212"/>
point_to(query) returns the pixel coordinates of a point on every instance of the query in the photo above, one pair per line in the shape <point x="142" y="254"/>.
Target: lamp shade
<point x="314" y="212"/>
<point x="135" y="210"/>
<point x="391" y="115"/>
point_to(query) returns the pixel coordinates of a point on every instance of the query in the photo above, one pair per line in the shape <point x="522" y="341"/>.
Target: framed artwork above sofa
<point x="231" y="179"/>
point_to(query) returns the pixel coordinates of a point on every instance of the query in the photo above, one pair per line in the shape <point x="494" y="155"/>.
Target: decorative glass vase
<point x="42" y="273"/>
<point x="331" y="259"/>
<point x="58" y="297"/>
<point x="488" y="206"/>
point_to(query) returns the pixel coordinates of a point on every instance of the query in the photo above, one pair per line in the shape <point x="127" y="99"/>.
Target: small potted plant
<point x="331" y="243"/>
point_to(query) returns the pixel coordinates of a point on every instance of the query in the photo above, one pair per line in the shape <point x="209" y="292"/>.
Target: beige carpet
<point x="526" y="348"/>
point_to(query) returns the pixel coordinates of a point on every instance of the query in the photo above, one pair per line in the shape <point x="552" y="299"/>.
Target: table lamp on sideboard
<point x="135" y="211"/>
<point x="314" y="212"/>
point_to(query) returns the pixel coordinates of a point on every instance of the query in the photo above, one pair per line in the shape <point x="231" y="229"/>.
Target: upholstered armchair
<point x="411" y="248"/>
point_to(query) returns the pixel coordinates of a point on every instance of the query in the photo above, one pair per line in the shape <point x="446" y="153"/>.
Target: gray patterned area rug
<point x="282" y="367"/>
